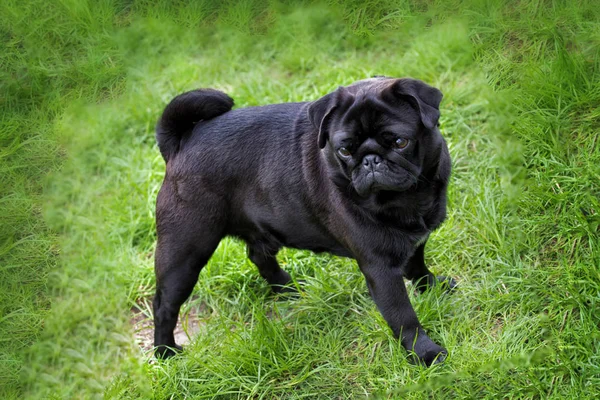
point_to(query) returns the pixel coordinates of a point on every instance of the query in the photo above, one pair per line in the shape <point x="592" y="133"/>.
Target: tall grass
<point x="83" y="84"/>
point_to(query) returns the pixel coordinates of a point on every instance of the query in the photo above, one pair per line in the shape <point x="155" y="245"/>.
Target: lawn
<point x="82" y="86"/>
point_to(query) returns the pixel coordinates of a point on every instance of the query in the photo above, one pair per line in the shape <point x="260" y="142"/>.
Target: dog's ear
<point x="426" y="98"/>
<point x="321" y="111"/>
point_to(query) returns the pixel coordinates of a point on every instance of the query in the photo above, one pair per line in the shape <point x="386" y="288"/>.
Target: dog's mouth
<point x="369" y="182"/>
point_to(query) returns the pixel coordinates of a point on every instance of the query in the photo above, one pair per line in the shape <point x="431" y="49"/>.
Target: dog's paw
<point x="286" y="286"/>
<point x="447" y="282"/>
<point x="282" y="289"/>
<point x="164" y="352"/>
<point x="431" y="355"/>
<point x="281" y="282"/>
<point x="425" y="351"/>
<point x="291" y="291"/>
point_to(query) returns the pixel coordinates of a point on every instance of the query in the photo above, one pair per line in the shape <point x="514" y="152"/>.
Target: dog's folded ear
<point x="321" y="111"/>
<point x="426" y="98"/>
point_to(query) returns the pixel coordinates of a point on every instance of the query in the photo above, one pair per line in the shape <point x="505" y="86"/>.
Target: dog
<point x="362" y="172"/>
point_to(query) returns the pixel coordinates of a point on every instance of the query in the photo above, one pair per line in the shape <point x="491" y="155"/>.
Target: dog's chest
<point x="414" y="221"/>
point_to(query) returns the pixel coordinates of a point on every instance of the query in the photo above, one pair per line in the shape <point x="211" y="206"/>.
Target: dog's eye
<point x="344" y="152"/>
<point x="402" y="143"/>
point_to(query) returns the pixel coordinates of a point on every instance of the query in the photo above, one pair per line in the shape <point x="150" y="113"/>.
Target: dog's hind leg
<point x="186" y="241"/>
<point x="263" y="256"/>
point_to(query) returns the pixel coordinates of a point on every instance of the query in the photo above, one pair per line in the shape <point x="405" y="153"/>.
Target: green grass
<point x="83" y="84"/>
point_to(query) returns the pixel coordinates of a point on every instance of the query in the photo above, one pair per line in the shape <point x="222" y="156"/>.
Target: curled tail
<point x="183" y="112"/>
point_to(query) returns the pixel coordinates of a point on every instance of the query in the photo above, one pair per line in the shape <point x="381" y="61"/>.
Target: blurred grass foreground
<point x="82" y="85"/>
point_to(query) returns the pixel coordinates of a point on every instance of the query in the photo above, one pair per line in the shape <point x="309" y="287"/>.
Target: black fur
<point x="183" y="112"/>
<point x="277" y="176"/>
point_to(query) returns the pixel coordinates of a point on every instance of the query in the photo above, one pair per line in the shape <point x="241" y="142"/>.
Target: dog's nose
<point x="371" y="160"/>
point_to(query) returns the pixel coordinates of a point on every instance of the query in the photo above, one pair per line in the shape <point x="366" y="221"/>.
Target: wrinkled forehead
<point x="370" y="113"/>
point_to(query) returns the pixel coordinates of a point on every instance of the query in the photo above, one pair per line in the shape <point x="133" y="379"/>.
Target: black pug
<point x="361" y="172"/>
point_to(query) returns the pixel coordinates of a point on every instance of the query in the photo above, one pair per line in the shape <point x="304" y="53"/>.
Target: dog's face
<point x="379" y="134"/>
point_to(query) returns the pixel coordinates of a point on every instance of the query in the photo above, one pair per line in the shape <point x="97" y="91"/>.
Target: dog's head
<point x="379" y="134"/>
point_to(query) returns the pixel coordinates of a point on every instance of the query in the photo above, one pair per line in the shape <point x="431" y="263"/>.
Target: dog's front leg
<point x="386" y="285"/>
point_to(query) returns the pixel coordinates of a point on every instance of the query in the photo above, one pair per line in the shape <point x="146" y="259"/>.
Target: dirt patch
<point x="187" y="327"/>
